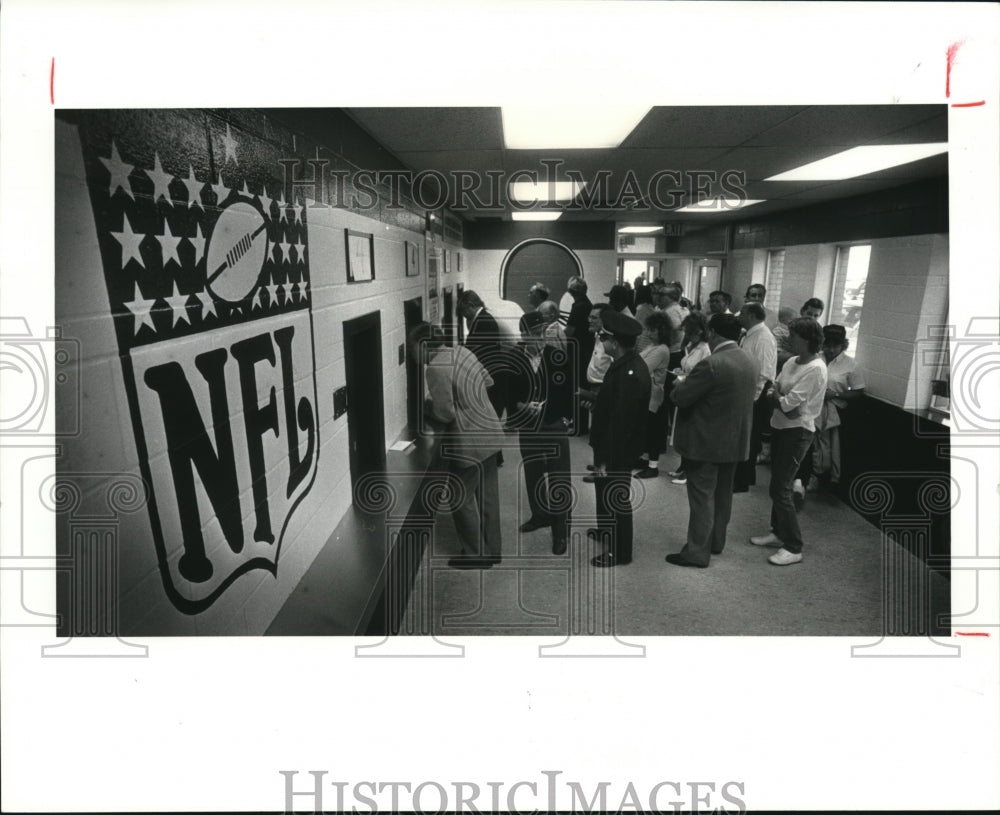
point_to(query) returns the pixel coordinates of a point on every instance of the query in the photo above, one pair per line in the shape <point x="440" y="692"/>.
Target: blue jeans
<point x="788" y="448"/>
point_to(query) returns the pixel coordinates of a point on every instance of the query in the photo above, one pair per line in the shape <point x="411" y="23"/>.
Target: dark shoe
<point x="677" y="560"/>
<point x="589" y="479"/>
<point x="559" y="546"/>
<point x="469" y="562"/>
<point x="677" y="474"/>
<point x="532" y="524"/>
<point x="648" y="472"/>
<point x="607" y="560"/>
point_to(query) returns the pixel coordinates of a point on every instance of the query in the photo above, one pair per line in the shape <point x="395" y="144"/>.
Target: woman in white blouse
<point x="696" y="349"/>
<point x="797" y="395"/>
<point x="656" y="355"/>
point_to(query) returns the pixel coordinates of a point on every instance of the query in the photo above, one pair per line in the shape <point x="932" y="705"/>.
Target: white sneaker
<point x="784" y="558"/>
<point x="770" y="539"/>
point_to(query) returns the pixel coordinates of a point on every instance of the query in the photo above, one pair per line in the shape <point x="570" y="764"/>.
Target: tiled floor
<point x="836" y="590"/>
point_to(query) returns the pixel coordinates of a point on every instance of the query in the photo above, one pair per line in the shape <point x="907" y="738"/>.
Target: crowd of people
<point x="644" y="372"/>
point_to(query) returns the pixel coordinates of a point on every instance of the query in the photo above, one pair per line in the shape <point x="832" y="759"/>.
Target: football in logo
<point x="237" y="252"/>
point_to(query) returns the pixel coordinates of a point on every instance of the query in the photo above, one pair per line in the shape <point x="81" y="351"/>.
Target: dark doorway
<point x="413" y="313"/>
<point x="460" y="321"/>
<point x="365" y="416"/>
<point x="448" y="318"/>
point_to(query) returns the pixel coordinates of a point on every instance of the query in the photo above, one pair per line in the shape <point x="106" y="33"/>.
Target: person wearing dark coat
<point x="714" y="419"/>
<point x="578" y="333"/>
<point x="618" y="435"/>
<point x="488" y="343"/>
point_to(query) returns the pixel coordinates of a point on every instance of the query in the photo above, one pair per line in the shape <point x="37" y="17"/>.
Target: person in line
<point x="578" y="332"/>
<point x="760" y="345"/>
<point x="544" y="400"/>
<point x="617" y="433"/>
<point x="656" y="355"/>
<point x="484" y="339"/>
<point x="670" y="303"/>
<point x="797" y="396"/>
<point x="845" y="383"/>
<point x="458" y="409"/>
<point x="643" y="311"/>
<point x="597" y="367"/>
<point x="552" y="330"/>
<point x="715" y="406"/>
<point x="695" y="350"/>
<point x="812" y="309"/>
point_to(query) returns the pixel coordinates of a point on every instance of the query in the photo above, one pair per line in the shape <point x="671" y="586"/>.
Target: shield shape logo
<point x="208" y="283"/>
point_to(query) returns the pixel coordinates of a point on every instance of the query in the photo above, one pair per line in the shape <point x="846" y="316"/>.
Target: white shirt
<point x="803" y="387"/>
<point x="695" y="355"/>
<point x="600" y="361"/>
<point x="760" y="344"/>
<point x="842" y="375"/>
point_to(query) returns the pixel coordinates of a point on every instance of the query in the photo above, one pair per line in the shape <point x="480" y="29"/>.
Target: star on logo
<point x="257" y="302"/>
<point x="130" y="243"/>
<point x="230" y="145"/>
<point x="198" y="242"/>
<point x="297" y="208"/>
<point x="285" y="248"/>
<point x="207" y="304"/>
<point x="221" y="191"/>
<point x="168" y="244"/>
<point x="301" y="249"/>
<point x="303" y="294"/>
<point x="282" y="214"/>
<point x="245" y="191"/>
<point x="119" y="173"/>
<point x="272" y="292"/>
<point x="178" y="303"/>
<point x="194" y="188"/>
<point x="265" y="202"/>
<point x="161" y="180"/>
<point x="141" y="309"/>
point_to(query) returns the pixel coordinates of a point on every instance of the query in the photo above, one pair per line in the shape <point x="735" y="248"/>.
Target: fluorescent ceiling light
<point x="528" y="192"/>
<point x="639" y="230"/>
<point x="534" y="216"/>
<point x="720" y="204"/>
<point x="568" y="128"/>
<point x="861" y="161"/>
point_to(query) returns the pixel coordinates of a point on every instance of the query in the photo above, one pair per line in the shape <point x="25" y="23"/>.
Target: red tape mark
<point x="971" y="634"/>
<point x="952" y="51"/>
<point x="52" y="82"/>
<point x="968" y="104"/>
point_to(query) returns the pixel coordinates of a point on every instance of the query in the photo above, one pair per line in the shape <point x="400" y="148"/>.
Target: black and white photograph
<point x="700" y="431"/>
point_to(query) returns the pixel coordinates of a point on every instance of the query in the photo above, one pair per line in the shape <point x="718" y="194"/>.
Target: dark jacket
<point x="551" y="384"/>
<point x="715" y="407"/>
<point x="618" y="425"/>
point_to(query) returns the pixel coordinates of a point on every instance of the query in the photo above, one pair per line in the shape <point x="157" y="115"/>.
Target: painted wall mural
<point x="206" y="267"/>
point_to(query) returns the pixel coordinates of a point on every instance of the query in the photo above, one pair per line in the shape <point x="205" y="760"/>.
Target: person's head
<point x="549" y="311"/>
<point x="722" y="328"/>
<point x="422" y="339"/>
<point x="786" y="314"/>
<point x="672" y="294"/>
<point x="594" y="318"/>
<point x="468" y="304"/>
<point x="719" y="302"/>
<point x="805" y="335"/>
<point x="680" y="289"/>
<point x="576" y="286"/>
<point x="657" y="292"/>
<point x="618" y="297"/>
<point x="695" y="327"/>
<point x="751" y="314"/>
<point x="658" y="328"/>
<point x="537" y="295"/>
<point x="812" y="308"/>
<point x="531" y="325"/>
<point x="835" y="341"/>
<point x="643" y="294"/>
<point x="755" y="293"/>
<point x="618" y="332"/>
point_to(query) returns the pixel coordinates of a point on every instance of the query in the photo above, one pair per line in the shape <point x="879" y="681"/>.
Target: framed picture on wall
<point x="360" y="256"/>
<point x="412" y="259"/>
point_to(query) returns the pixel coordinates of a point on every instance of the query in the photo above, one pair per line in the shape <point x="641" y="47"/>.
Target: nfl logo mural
<point x="208" y="283"/>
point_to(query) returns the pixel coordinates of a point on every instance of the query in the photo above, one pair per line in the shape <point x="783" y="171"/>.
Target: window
<point x="773" y="274"/>
<point x="847" y="295"/>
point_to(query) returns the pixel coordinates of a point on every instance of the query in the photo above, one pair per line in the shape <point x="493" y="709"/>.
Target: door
<point x="459" y="321"/>
<point x="365" y="410"/>
<point x="413" y="313"/>
<point x="448" y="318"/>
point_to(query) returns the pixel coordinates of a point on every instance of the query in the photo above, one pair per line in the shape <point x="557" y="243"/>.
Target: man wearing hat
<point x="844" y="384"/>
<point x="619" y="299"/>
<point x="617" y="435"/>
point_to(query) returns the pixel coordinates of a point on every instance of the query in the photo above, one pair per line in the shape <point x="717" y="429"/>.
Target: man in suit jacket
<point x="458" y="411"/>
<point x="486" y="341"/>
<point x="618" y="434"/>
<point x="715" y="408"/>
